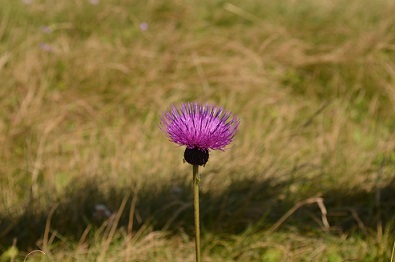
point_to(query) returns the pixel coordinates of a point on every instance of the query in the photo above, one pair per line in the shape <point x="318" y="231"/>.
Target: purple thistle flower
<point x="200" y="129"/>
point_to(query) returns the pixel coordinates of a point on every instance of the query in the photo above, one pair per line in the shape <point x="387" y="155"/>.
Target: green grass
<point x="313" y="83"/>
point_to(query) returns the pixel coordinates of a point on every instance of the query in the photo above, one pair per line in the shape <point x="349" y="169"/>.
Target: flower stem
<point x="196" y="180"/>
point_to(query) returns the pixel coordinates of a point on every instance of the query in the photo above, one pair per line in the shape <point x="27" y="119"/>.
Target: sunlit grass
<point x="82" y="89"/>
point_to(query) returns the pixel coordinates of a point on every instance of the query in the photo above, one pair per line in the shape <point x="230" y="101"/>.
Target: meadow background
<point x="86" y="174"/>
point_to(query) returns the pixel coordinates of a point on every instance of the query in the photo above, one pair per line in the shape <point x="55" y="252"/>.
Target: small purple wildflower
<point x="200" y="129"/>
<point x="46" y="29"/>
<point x="94" y="2"/>
<point x="143" y="26"/>
<point x="46" y="47"/>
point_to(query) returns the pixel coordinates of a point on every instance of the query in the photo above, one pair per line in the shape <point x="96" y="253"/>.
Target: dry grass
<point x="82" y="90"/>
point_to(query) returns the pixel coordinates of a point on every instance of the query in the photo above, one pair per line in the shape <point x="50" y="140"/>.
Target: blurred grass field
<point x="310" y="176"/>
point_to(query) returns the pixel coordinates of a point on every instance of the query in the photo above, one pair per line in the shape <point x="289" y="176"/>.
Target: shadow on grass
<point x="242" y="204"/>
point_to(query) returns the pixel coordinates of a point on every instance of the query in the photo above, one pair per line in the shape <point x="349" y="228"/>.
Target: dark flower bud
<point x="196" y="156"/>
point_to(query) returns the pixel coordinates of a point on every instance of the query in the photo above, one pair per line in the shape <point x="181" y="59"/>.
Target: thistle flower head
<point x="200" y="129"/>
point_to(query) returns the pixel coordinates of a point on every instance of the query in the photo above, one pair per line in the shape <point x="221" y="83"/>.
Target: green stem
<point x="196" y="180"/>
